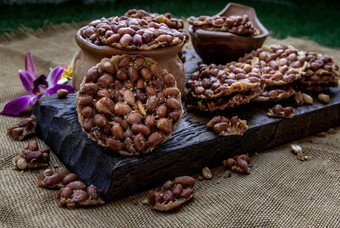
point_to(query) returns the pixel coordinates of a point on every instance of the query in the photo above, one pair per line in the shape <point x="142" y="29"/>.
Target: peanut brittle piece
<point x="224" y="127"/>
<point x="56" y="179"/>
<point x="279" y="111"/>
<point x="275" y="93"/>
<point x="129" y="104"/>
<point x="221" y="103"/>
<point x="214" y="81"/>
<point x="321" y="72"/>
<point x="239" y="163"/>
<point x="32" y="157"/>
<point x="279" y="64"/>
<point x="24" y="128"/>
<point x="78" y="194"/>
<point x="172" y="194"/>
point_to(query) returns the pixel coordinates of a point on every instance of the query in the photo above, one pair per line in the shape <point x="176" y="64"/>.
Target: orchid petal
<point x="29" y="65"/>
<point x="15" y="106"/>
<point x="60" y="86"/>
<point x="54" y="76"/>
<point x="27" y="80"/>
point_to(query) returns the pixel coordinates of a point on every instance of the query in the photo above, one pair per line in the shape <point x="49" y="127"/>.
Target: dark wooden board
<point x="191" y="147"/>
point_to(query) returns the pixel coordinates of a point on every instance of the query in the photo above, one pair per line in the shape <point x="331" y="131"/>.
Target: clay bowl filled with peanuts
<point x="160" y="38"/>
<point x="228" y="35"/>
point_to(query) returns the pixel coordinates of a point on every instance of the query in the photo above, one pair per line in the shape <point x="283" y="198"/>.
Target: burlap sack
<point x="280" y="191"/>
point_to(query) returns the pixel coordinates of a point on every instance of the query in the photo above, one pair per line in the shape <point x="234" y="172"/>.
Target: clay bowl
<point x="223" y="47"/>
<point x="90" y="54"/>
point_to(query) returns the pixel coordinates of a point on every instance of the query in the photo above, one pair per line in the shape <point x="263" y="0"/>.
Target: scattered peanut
<point x="296" y="148"/>
<point x="307" y="99"/>
<point x="323" y="98"/>
<point x="207" y="173"/>
<point x="62" y="93"/>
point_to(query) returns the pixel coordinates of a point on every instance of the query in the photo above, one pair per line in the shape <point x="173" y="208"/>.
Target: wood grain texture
<point x="191" y="147"/>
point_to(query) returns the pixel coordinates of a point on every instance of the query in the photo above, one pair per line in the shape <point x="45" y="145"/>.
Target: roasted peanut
<point x="117" y="131"/>
<point x="186" y="181"/>
<point x="134" y="118"/>
<point x="156" y="138"/>
<point x="140" y="142"/>
<point x="104" y="105"/>
<point x="105" y="80"/>
<point x="141" y="128"/>
<point x="122" y="108"/>
<point x="77" y="185"/>
<point x="100" y="120"/>
<point x="108" y="67"/>
<point x="169" y="80"/>
<point x="173" y="103"/>
<point x="129" y="97"/>
<point x="133" y="73"/>
<point x="150" y="121"/>
<point x="151" y="103"/>
<point x="206" y="173"/>
<point x="172" y="91"/>
<point x="85" y="100"/>
<point x="121" y="75"/>
<point x="70" y="178"/>
<point x="145" y="73"/>
<point x="113" y="144"/>
<point x="323" y="98"/>
<point x="161" y="111"/>
<point x="121" y="121"/>
<point x="165" y="125"/>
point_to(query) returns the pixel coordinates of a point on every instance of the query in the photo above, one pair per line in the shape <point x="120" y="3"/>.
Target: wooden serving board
<point x="191" y="147"/>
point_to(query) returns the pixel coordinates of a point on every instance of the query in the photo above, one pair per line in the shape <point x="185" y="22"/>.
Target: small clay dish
<point x="90" y="54"/>
<point x="223" y="47"/>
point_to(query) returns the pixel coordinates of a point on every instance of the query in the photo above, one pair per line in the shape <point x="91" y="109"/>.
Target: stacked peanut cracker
<point x="218" y="87"/>
<point x="267" y="74"/>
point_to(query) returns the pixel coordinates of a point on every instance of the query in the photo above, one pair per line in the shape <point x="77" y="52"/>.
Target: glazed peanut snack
<point x="72" y="192"/>
<point x="224" y="127"/>
<point x="23" y="129"/>
<point x="215" y="87"/>
<point x="57" y="179"/>
<point x="321" y="73"/>
<point x="279" y="111"/>
<point x="132" y="33"/>
<point x="238" y="25"/>
<point x="280" y="65"/>
<point x="155" y="17"/>
<point x="32" y="157"/>
<point x="129" y="104"/>
<point x="239" y="163"/>
<point x="73" y="195"/>
<point x="172" y="194"/>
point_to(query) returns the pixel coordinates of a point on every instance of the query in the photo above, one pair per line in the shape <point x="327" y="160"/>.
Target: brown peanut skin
<point x="77" y="185"/>
<point x="140" y="142"/>
<point x="65" y="192"/>
<point x="177" y="190"/>
<point x="187" y="193"/>
<point x="186" y="181"/>
<point x="156" y="138"/>
<point x="165" y="125"/>
<point x="79" y="196"/>
<point x="70" y="178"/>
<point x="92" y="192"/>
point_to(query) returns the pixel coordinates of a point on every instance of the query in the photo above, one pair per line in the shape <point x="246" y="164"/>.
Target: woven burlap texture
<point x="281" y="191"/>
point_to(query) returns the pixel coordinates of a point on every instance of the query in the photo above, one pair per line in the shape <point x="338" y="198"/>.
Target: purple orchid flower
<point x="35" y="86"/>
